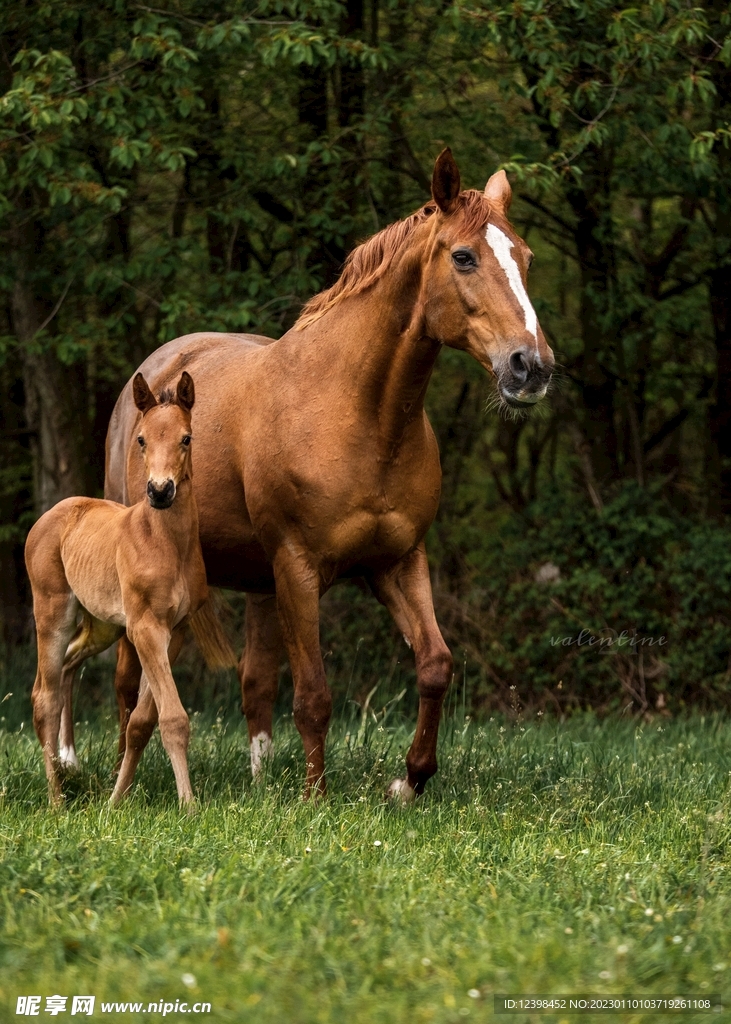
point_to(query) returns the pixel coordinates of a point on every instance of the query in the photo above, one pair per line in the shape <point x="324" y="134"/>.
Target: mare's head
<point x="164" y="437"/>
<point x="476" y="285"/>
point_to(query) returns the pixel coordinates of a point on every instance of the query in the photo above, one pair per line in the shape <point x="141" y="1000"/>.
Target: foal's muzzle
<point x="524" y="379"/>
<point x="161" y="497"/>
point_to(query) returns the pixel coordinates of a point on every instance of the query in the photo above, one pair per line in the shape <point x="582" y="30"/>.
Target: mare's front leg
<point x="405" y="589"/>
<point x="160" y="702"/>
<point x="258" y="673"/>
<point x="298" y="599"/>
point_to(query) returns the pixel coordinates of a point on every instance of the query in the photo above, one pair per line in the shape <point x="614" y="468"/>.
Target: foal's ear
<point x="445" y="181"/>
<point x="144" y="398"/>
<point x="499" y="192"/>
<point x="186" y="391"/>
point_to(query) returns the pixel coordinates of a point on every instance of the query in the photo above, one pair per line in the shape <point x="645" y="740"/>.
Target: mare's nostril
<point x="520" y="364"/>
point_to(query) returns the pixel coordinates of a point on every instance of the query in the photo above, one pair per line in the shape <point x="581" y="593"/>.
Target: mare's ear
<point x="445" y="181"/>
<point x="186" y="391"/>
<point x="144" y="398"/>
<point x="499" y="192"/>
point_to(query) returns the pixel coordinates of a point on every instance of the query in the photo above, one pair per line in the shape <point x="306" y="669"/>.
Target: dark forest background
<point x="186" y="166"/>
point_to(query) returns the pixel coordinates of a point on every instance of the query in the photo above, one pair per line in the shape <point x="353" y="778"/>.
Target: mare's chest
<point x="350" y="499"/>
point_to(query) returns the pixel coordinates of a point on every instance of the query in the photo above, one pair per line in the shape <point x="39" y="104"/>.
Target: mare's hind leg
<point x="92" y="637"/>
<point x="405" y="589"/>
<point x="258" y="673"/>
<point x="142" y="722"/>
<point x="126" y="687"/>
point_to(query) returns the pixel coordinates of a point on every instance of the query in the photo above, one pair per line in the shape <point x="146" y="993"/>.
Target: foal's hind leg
<point x="55" y="616"/>
<point x="405" y="589"/>
<point x="92" y="637"/>
<point x="258" y="673"/>
<point x="126" y="687"/>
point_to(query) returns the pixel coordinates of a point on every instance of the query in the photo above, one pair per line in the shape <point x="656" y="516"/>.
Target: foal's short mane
<point x="167" y="397"/>
<point x="367" y="263"/>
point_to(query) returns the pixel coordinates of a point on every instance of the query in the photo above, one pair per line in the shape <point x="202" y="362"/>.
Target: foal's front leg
<point x="405" y="589"/>
<point x="298" y="598"/>
<point x="159" y="702"/>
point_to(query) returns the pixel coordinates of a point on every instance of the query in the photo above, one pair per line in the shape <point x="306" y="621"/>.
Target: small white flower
<point x="677" y="939"/>
<point x="188" y="980"/>
<point x="308" y="849"/>
<point x="649" y="911"/>
<point x="426" y="962"/>
<point x="627" y="876"/>
<point x="584" y="851"/>
<point x="569" y="931"/>
<point x="719" y="967"/>
<point x="621" y="950"/>
<point x="605" y="975"/>
<point x="377" y="842"/>
<point x="474" y="993"/>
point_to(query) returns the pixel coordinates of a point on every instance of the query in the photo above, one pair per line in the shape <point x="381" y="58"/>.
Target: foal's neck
<point x="179" y="523"/>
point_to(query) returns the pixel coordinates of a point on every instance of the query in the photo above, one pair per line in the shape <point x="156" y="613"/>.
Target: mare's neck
<point x="373" y="348"/>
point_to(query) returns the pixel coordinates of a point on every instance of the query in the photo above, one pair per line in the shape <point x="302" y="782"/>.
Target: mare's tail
<point x="209" y="634"/>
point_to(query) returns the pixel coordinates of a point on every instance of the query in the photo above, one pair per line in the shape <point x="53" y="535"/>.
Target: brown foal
<point x="138" y="569"/>
<point x="321" y="462"/>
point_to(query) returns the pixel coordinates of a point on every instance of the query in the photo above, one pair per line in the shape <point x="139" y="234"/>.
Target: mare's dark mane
<point x="368" y="262"/>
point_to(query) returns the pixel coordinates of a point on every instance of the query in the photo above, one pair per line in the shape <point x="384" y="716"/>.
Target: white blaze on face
<point x="501" y="246"/>
<point x="261" y="747"/>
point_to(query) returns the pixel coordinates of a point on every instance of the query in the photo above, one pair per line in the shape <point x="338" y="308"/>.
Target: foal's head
<point x="477" y="297"/>
<point x="164" y="437"/>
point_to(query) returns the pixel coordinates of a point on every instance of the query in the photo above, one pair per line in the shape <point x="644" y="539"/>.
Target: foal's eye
<point x="530" y="260"/>
<point x="141" y="441"/>
<point x="186" y="440"/>
<point x="464" y="259"/>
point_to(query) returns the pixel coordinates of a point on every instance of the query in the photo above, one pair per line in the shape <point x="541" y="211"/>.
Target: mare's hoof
<point x="68" y="760"/>
<point x="401" y="792"/>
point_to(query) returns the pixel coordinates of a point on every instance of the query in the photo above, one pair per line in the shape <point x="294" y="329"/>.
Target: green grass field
<point x="582" y="857"/>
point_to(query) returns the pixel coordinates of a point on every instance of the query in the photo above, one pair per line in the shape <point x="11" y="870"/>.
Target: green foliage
<point x="627" y="610"/>
<point x="169" y="170"/>
<point x="573" y="858"/>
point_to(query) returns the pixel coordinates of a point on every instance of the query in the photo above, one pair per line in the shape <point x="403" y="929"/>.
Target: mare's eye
<point x="186" y="440"/>
<point x="464" y="259"/>
<point x="141" y="441"/>
<point x="530" y="260"/>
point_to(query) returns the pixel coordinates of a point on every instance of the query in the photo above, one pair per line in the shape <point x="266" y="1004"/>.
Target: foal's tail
<point x="209" y="634"/>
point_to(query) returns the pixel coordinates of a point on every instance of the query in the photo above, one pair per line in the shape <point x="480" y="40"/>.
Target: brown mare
<point x="321" y="462"/>
<point x="138" y="569"/>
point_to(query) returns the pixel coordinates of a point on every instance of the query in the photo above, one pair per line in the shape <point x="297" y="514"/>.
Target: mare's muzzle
<point x="523" y="381"/>
<point x="161" y="497"/>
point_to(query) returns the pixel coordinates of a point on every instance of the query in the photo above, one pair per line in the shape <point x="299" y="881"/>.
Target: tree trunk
<point x="54" y="401"/>
<point x="594" y="247"/>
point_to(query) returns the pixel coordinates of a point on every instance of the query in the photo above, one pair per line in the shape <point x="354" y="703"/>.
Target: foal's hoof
<point x="401" y="792"/>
